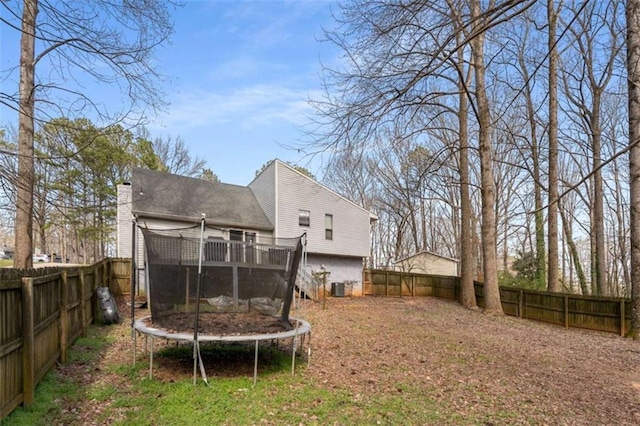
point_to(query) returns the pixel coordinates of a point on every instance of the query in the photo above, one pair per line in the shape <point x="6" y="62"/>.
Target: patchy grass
<point x="375" y="361"/>
<point x="277" y="398"/>
<point x="74" y="394"/>
<point x="58" y="390"/>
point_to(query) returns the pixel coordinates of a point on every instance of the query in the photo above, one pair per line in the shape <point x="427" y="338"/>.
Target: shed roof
<point x="426" y="253"/>
<point x="168" y="196"/>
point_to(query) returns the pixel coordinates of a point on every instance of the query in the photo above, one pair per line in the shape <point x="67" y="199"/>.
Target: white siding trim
<point x="276" y="225"/>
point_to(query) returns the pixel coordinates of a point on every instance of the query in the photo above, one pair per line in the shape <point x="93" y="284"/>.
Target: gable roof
<point x="427" y="253"/>
<point x="166" y="196"/>
<point x="372" y="216"/>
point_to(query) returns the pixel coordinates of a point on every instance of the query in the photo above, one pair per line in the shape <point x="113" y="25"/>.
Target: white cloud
<point x="247" y="107"/>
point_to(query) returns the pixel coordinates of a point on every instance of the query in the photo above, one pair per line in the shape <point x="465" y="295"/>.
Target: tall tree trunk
<point x="541" y="268"/>
<point x="467" y="264"/>
<point x="24" y="203"/>
<point x="553" y="283"/>
<point x="423" y="223"/>
<point x="621" y="227"/>
<point x="487" y="185"/>
<point x="568" y="237"/>
<point x="598" y="200"/>
<point x="592" y="245"/>
<point x="633" y="68"/>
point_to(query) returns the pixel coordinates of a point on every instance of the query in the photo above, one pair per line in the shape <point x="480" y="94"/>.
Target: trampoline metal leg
<point x="135" y="346"/>
<point x="255" y="366"/>
<point x="151" y="360"/>
<point x="309" y="350"/>
<point x="195" y="362"/>
<point x="293" y="356"/>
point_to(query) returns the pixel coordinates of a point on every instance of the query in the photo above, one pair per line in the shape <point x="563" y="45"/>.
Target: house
<point x="425" y="262"/>
<point x="337" y="230"/>
<point x="279" y="203"/>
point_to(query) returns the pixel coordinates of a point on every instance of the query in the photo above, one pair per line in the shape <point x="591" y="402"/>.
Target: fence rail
<point x="42" y="312"/>
<point x="569" y="310"/>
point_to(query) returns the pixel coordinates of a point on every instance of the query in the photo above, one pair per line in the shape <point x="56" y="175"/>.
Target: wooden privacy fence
<point x="42" y="312"/>
<point x="569" y="310"/>
<point x="380" y="282"/>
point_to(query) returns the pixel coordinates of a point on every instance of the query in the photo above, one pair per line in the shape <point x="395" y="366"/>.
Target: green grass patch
<point x="277" y="398"/>
<point x="52" y="393"/>
<point x="55" y="391"/>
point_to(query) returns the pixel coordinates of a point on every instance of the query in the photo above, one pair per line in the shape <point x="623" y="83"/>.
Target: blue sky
<point x="239" y="76"/>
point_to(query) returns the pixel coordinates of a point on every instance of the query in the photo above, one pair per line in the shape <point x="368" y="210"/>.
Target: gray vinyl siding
<point x="340" y="269"/>
<point x="264" y="189"/>
<point x="296" y="191"/>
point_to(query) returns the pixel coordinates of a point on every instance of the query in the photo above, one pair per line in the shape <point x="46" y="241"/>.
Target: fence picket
<point x="28" y="346"/>
<point x="568" y="310"/>
<point x="48" y="320"/>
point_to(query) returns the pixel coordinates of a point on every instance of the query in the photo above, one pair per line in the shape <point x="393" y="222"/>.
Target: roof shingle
<point x="164" y="195"/>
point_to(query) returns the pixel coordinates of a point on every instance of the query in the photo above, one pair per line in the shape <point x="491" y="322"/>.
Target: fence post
<point x="83" y="314"/>
<point x="520" y="303"/>
<point x="456" y="284"/>
<point x="106" y="282"/>
<point x="364" y="280"/>
<point x="324" y="290"/>
<point x="94" y="300"/>
<point x="566" y="311"/>
<point x="64" y="332"/>
<point x="28" y="343"/>
<point x="413" y="285"/>
<point x="622" y="319"/>
<point x="386" y="283"/>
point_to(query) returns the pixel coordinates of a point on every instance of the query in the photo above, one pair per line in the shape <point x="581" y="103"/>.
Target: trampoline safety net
<point x="236" y="276"/>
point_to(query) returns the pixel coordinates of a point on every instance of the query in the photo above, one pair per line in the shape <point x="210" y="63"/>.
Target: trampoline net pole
<point x="196" y="349"/>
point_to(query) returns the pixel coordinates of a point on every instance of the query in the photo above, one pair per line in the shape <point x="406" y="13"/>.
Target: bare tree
<point x="522" y="64"/>
<point x="175" y="157"/>
<point x="573" y="251"/>
<point x="553" y="283"/>
<point x="24" y="200"/>
<point x="109" y="42"/>
<point x="616" y="134"/>
<point x="596" y="38"/>
<point x="467" y="258"/>
<point x="400" y="74"/>
<point x="487" y="184"/>
<point x="633" y="68"/>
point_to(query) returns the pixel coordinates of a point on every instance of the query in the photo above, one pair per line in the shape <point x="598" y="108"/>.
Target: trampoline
<point x="204" y="288"/>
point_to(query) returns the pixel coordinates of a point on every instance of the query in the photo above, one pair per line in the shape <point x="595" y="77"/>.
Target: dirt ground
<point x="467" y="361"/>
<point x="221" y="324"/>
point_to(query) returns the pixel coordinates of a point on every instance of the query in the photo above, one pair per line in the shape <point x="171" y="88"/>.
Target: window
<point x="304" y="218"/>
<point x="328" y="227"/>
<point x="235" y="235"/>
